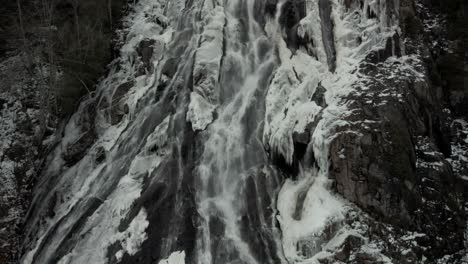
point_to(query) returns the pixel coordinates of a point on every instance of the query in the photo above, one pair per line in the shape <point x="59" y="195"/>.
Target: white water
<point x="232" y="151"/>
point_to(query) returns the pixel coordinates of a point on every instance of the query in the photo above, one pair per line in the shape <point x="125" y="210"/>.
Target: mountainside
<point x="258" y="131"/>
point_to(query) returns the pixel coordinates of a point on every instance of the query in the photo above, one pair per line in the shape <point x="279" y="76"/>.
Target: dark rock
<point x="365" y="257"/>
<point x="2" y="103"/>
<point x="168" y="200"/>
<point x="392" y="48"/>
<point x="100" y="154"/>
<point x="270" y="7"/>
<point x="51" y="205"/>
<point x="118" y="108"/>
<point x="263" y="9"/>
<point x="3" y="210"/>
<point x="328" y="36"/>
<point x="258" y="219"/>
<point x="17" y="151"/>
<point x="78" y="149"/>
<point x="350" y="243"/>
<point x="382" y="170"/>
<point x="145" y="51"/>
<point x="170" y="67"/>
<point x="292" y="12"/>
<point x="319" y="96"/>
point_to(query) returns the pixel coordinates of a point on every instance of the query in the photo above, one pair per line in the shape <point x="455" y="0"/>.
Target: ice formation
<point x="188" y="141"/>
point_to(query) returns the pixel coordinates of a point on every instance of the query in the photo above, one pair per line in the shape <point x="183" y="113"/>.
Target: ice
<point x="289" y="109"/>
<point x="177" y="257"/>
<point x="142" y="24"/>
<point x="200" y="112"/>
<point x="320" y="208"/>
<point x="205" y="97"/>
<point x="288" y="101"/>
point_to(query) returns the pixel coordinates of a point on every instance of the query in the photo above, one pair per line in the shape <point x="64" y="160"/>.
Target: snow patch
<point x="177" y="257"/>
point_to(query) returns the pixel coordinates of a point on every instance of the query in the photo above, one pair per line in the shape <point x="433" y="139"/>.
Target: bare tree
<point x="48" y="93"/>
<point x="109" y="12"/>
<point x="21" y="23"/>
<point x="76" y="5"/>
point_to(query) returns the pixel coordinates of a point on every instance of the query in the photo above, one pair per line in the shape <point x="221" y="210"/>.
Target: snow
<point x="177" y="257"/>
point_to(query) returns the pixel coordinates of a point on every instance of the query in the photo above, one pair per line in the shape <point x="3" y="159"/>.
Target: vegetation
<point x="68" y="41"/>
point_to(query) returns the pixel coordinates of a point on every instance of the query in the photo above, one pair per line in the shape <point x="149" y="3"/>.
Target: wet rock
<point x="170" y="67"/>
<point x="258" y="220"/>
<point x="77" y="150"/>
<point x="87" y="135"/>
<point x="118" y="109"/>
<point x="145" y="50"/>
<point x="51" y="205"/>
<point x="100" y="154"/>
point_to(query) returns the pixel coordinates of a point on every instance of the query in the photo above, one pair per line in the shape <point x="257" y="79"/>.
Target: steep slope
<point x="257" y="132"/>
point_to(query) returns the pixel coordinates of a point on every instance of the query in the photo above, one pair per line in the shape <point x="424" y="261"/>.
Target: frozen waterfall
<point x="214" y="147"/>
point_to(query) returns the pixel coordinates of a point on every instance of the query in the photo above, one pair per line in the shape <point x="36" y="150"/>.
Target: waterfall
<point x="182" y="146"/>
<point x="233" y="157"/>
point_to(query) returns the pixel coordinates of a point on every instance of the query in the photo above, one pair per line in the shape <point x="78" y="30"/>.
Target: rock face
<point x="380" y="168"/>
<point x="268" y="132"/>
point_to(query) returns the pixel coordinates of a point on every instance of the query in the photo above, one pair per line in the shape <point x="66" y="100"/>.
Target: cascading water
<point x="233" y="156"/>
<point x="182" y="160"/>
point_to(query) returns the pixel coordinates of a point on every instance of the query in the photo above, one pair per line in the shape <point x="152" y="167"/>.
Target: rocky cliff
<point x="266" y="131"/>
